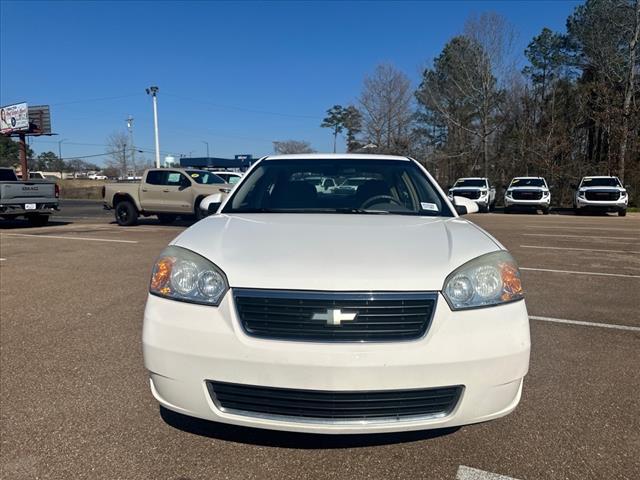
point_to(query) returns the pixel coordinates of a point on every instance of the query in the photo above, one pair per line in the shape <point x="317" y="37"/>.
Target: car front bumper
<point x="614" y="205"/>
<point x="486" y="350"/>
<point x="539" y="203"/>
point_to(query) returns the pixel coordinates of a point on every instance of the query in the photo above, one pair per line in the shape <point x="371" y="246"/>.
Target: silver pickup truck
<point x="33" y="199"/>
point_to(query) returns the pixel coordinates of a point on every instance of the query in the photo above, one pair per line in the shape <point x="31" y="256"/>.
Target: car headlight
<point x="490" y="279"/>
<point x="623" y="194"/>
<point x="509" y="193"/>
<point x="581" y="193"/>
<point x="180" y="274"/>
<point x="545" y="193"/>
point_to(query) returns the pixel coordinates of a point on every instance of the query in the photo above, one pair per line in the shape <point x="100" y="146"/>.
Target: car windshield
<point x="387" y="187"/>
<point x="204" y="177"/>
<point x="471" y="183"/>
<point x="527" y="182"/>
<point x="601" y="182"/>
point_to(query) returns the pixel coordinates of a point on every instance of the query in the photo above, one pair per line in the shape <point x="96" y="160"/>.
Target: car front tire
<point x="622" y="212"/>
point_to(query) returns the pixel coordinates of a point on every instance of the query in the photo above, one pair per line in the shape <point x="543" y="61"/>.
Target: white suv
<point x="477" y="189"/>
<point x="527" y="192"/>
<point x="372" y="310"/>
<point x="601" y="194"/>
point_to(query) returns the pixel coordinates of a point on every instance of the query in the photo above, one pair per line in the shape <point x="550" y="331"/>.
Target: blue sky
<point x="237" y="74"/>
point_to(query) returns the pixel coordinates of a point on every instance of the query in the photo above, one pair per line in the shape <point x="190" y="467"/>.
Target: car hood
<point x="341" y="252"/>
<point x="602" y="189"/>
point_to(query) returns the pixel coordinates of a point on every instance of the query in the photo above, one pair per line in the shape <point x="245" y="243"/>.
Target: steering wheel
<point x="377" y="198"/>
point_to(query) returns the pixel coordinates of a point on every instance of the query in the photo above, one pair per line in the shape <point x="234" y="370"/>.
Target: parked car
<point x="34" y="200"/>
<point x="166" y="193"/>
<point x="477" y="189"/>
<point x="230" y="177"/>
<point x="321" y="184"/>
<point x="97" y="176"/>
<point x="375" y="311"/>
<point x="527" y="193"/>
<point x="603" y="193"/>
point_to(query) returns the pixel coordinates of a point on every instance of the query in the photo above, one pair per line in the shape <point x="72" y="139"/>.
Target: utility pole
<point x="153" y="91"/>
<point x="133" y="149"/>
<point x="60" y="161"/>
<point x="23" y="156"/>
<point x="207" y="144"/>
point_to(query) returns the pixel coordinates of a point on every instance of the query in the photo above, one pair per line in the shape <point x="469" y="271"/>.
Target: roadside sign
<point x="14" y="118"/>
<point x="40" y="119"/>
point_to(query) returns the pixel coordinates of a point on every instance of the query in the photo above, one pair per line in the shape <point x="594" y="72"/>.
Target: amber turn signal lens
<point x="512" y="285"/>
<point x="161" y="275"/>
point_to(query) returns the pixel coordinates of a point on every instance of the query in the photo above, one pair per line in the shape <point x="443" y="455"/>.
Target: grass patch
<point x="81" y="189"/>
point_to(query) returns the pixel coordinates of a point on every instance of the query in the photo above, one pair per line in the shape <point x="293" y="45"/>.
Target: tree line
<point x="572" y="110"/>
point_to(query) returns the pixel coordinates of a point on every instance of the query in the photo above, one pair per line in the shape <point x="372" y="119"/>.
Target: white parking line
<point x="568" y="227"/>
<point x="2" y="259"/>
<point x="586" y="324"/>
<point x="578" y="249"/>
<point x="580" y="273"/>
<point x="577" y="236"/>
<point x="468" y="473"/>
<point x="68" y="238"/>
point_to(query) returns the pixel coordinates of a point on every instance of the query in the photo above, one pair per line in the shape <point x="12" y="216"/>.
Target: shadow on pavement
<point x="11" y="224"/>
<point x="306" y="441"/>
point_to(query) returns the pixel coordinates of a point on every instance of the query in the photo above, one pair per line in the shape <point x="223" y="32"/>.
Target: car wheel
<point x="38" y="220"/>
<point x="545" y="210"/>
<point x="622" y="212"/>
<point x="166" y="219"/>
<point x="484" y="209"/>
<point x="507" y="210"/>
<point x="126" y="214"/>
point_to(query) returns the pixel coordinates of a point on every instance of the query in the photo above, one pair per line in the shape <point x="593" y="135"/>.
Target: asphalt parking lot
<point x="75" y="401"/>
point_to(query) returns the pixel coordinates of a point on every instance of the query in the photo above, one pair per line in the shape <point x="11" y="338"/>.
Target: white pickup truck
<point x="602" y="193"/>
<point x="477" y="189"/>
<point x="33" y="199"/>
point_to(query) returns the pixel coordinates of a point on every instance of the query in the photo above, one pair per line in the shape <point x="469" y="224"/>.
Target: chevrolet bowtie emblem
<point x="334" y="316"/>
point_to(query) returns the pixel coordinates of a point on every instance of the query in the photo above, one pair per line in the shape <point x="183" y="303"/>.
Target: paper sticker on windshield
<point x="429" y="206"/>
<point x="195" y="175"/>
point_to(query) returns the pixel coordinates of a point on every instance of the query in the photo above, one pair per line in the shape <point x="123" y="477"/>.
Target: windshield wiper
<point x="363" y="211"/>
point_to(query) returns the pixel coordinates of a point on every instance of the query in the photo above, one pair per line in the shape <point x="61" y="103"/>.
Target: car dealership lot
<point x="75" y="402"/>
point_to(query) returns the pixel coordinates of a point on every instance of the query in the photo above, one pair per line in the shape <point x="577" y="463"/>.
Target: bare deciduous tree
<point x="386" y="108"/>
<point x="287" y="147"/>
<point x="117" y="149"/>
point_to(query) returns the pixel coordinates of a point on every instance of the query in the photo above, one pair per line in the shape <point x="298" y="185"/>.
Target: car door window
<point x="176" y="179"/>
<point x="156" y="177"/>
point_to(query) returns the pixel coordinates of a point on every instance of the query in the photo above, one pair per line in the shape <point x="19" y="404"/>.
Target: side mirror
<point x="464" y="205"/>
<point x="210" y="204"/>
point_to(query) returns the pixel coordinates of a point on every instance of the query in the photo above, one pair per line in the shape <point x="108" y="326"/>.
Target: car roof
<point x="471" y="178"/>
<point x="335" y="156"/>
<point x="599" y="176"/>
<point x="528" y="178"/>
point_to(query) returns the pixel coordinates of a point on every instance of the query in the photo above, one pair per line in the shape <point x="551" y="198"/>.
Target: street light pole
<point x="153" y="91"/>
<point x="207" y="144"/>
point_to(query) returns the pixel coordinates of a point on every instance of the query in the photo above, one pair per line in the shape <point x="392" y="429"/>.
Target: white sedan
<point x="376" y="311"/>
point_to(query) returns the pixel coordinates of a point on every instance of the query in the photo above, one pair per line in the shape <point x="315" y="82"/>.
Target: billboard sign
<point x="14" y="118"/>
<point x="40" y="119"/>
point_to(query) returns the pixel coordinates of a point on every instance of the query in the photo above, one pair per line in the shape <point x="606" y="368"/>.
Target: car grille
<point x="527" y="194"/>
<point x="333" y="405"/>
<point x="597" y="195"/>
<point x="288" y="315"/>
<point x="471" y="194"/>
